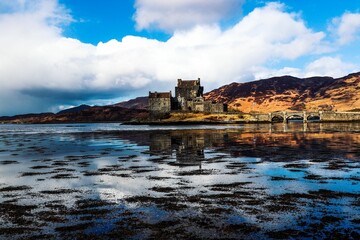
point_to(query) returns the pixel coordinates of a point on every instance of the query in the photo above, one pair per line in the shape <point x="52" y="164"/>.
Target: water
<point x="115" y="181"/>
<point x="96" y="127"/>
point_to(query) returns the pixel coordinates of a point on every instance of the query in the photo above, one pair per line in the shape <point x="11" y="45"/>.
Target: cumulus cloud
<point x="329" y="66"/>
<point x="183" y="14"/>
<point x="323" y="66"/>
<point x="346" y="27"/>
<point x="42" y="67"/>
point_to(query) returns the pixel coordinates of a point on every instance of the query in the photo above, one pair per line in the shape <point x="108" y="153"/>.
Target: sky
<point x="55" y="54"/>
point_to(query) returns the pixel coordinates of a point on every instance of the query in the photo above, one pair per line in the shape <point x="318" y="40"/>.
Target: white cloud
<point x="329" y="66"/>
<point x="183" y="14"/>
<point x="263" y="73"/>
<point x="38" y="64"/>
<point x="323" y="66"/>
<point x="346" y="28"/>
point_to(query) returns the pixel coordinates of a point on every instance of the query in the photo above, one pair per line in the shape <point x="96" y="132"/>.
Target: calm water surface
<point x="110" y="181"/>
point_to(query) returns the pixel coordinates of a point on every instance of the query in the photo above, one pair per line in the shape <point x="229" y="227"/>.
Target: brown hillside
<point x="92" y="114"/>
<point x="291" y="93"/>
<point x="137" y="103"/>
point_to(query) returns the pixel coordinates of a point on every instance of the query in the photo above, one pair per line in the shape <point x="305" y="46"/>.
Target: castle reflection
<point x="188" y="148"/>
<point x="268" y="142"/>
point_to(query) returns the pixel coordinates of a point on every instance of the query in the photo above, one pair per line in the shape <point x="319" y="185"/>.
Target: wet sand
<point x="252" y="183"/>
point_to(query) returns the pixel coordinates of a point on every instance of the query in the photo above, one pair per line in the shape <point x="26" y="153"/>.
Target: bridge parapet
<point x="285" y="116"/>
<point x="340" y="116"/>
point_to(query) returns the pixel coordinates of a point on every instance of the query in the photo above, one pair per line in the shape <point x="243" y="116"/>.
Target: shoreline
<point x="183" y="123"/>
<point x="166" y="123"/>
<point x="175" y="122"/>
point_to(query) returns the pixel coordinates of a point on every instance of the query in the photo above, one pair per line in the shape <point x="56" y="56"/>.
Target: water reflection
<point x="269" y="142"/>
<point x="259" y="181"/>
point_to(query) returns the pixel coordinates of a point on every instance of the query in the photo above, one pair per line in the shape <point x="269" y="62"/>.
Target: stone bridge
<point x="308" y="116"/>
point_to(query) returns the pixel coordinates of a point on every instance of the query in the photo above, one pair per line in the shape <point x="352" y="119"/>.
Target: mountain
<point x="266" y="95"/>
<point x="26" y="116"/>
<point x="137" y="103"/>
<point x="91" y="114"/>
<point x="291" y="93"/>
<point x="75" y="109"/>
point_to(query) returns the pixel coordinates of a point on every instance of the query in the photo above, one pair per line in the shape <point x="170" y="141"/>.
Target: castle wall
<point x="196" y="106"/>
<point x="160" y="102"/>
<point x="218" y="108"/>
<point x="206" y="106"/>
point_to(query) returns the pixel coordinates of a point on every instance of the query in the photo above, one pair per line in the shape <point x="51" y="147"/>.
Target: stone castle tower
<point x="188" y="97"/>
<point x="186" y="92"/>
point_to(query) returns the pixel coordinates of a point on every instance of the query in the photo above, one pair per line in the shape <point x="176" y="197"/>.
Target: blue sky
<point x="101" y="21"/>
<point x="61" y="53"/>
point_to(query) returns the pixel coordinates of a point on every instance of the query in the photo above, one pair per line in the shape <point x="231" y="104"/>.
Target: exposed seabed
<point x="256" y="182"/>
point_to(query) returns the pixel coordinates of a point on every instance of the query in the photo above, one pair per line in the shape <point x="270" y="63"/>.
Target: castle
<point x="188" y="98"/>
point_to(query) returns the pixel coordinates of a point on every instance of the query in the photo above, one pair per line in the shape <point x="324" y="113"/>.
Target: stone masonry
<point x="188" y="98"/>
<point x="160" y="102"/>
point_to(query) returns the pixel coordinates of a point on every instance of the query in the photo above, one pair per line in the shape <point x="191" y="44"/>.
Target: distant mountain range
<point x="266" y="95"/>
<point x="75" y="109"/>
<point x="137" y="103"/>
<point x="81" y="114"/>
<point x="291" y="93"/>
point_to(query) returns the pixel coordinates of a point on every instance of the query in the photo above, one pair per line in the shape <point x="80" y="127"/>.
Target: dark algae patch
<point x="31" y="174"/>
<point x="92" y="203"/>
<point x="64" y="176"/>
<point x="163" y="189"/>
<point x="60" y="191"/>
<point x="73" y="228"/>
<point x="281" y="178"/>
<point x="14" y="188"/>
<point x="253" y="182"/>
<point x="8" y="162"/>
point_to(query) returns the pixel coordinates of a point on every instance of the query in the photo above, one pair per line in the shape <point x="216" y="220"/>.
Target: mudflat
<point x="255" y="182"/>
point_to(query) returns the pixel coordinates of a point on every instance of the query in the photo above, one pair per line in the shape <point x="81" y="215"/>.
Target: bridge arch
<point x="295" y="117"/>
<point x="313" y="117"/>
<point x="302" y="116"/>
<point x="275" y="118"/>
